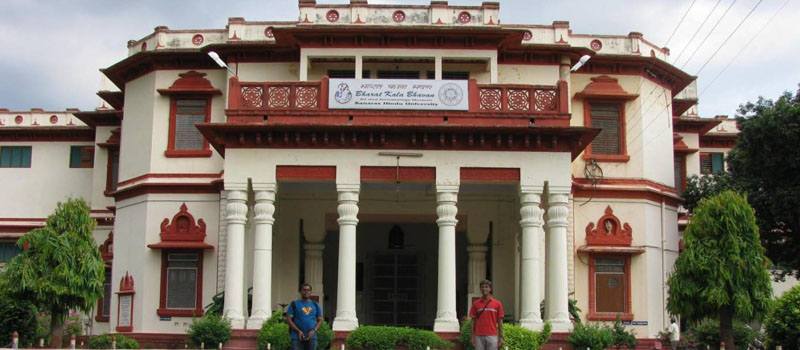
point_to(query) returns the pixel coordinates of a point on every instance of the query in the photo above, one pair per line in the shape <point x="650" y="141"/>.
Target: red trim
<point x="171" y="152"/>
<point x="593" y="315"/>
<point x="182" y="231"/>
<point x="162" y="309"/>
<point x="166" y="176"/>
<point x="605" y="87"/>
<point x="47" y="133"/>
<point x="298" y="172"/>
<point x="717" y="141"/>
<point x="99" y="316"/>
<point x="126" y="288"/>
<point x="693" y="125"/>
<point x="623" y="157"/>
<point x="379" y="173"/>
<point x="173" y="188"/>
<point x="614" y="234"/>
<point x="191" y="83"/>
<point x="637" y="189"/>
<point x="490" y="175"/>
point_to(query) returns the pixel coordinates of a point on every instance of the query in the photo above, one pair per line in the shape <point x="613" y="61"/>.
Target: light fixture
<point x="580" y="63"/>
<point x="214" y="56"/>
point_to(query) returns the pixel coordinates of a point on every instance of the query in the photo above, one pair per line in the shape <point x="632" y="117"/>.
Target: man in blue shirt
<point x="304" y="318"/>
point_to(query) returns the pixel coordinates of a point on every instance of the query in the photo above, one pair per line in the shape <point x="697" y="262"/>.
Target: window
<point x="609" y="144"/>
<point x="185" y="140"/>
<point x="449" y="75"/>
<point x="398" y="74"/>
<point x="104" y="303"/>
<point x="609" y="283"/>
<point x="81" y="156"/>
<point x="15" y="157"/>
<point x="680" y="172"/>
<point x="181" y="283"/>
<point x="112" y="176"/>
<point x="8" y="250"/>
<point x="347" y="74"/>
<point x="712" y="163"/>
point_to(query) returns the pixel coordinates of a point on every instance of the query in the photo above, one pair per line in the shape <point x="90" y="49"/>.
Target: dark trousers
<point x="304" y="344"/>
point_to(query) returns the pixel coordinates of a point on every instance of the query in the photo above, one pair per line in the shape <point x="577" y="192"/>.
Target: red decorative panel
<point x="294" y="172"/>
<point x="609" y="231"/>
<point x="399" y="16"/>
<point x="307" y="97"/>
<point x="490" y="174"/>
<point x="381" y="173"/>
<point x="527" y="36"/>
<point x="198" y="39"/>
<point x="596" y="45"/>
<point x="183" y="227"/>
<point x="107" y="249"/>
<point x="332" y="16"/>
<point x="464" y="17"/>
<point x="518" y="99"/>
<point x="53" y="119"/>
<point x="545" y="100"/>
<point x="278" y="96"/>
<point x="269" y="33"/>
<point x="18" y="119"/>
<point x="252" y="96"/>
<point x="491" y="99"/>
<point x="125" y="304"/>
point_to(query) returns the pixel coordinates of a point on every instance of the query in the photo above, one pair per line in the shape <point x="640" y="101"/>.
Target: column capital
<point x="235" y="186"/>
<point x="236" y="208"/>
<point x="271" y="187"/>
<point x="348" y="188"/>
<point x="535" y="189"/>
<point x="265" y="207"/>
<point x="348" y="204"/>
<point x="447" y="188"/>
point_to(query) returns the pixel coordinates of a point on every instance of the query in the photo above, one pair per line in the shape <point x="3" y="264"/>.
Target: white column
<point x="531" y="223"/>
<point x="446" y="198"/>
<point x="346" y="319"/>
<point x="303" y="76"/>
<point x="556" y="298"/>
<point x="234" y="260"/>
<point x="437" y="68"/>
<point x="314" y="267"/>
<point x="262" y="256"/>
<point x="493" y="70"/>
<point x="359" y="67"/>
<point x="476" y="267"/>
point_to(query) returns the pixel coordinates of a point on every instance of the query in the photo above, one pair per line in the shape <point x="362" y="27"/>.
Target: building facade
<point x="392" y="156"/>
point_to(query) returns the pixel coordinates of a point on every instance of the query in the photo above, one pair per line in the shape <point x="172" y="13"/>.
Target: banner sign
<point x="451" y="95"/>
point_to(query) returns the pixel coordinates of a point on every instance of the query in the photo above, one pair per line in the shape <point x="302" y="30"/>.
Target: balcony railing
<point x="521" y="100"/>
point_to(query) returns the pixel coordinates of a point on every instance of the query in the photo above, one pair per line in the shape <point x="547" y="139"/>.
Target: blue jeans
<point x="304" y="344"/>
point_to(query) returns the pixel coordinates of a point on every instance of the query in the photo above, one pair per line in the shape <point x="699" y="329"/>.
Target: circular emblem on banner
<point x="343" y="94"/>
<point x="450" y="94"/>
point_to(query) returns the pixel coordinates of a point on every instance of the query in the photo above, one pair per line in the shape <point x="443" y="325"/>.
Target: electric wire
<point x="689" y="43"/>
<point x="719" y="20"/>
<point x="744" y="48"/>
<point x="679" y="23"/>
<point x="729" y="36"/>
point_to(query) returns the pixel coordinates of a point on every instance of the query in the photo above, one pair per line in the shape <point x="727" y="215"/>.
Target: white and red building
<point x="392" y="156"/>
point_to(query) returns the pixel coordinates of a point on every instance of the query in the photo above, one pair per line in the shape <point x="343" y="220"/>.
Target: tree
<point x="765" y="162"/>
<point x="704" y="186"/>
<point x="61" y="269"/>
<point x="722" y="271"/>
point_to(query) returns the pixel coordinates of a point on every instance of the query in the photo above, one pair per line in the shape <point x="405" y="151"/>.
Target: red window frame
<point x="99" y="317"/>
<point x="627" y="314"/>
<point x="111" y="184"/>
<point x="162" y="308"/>
<point x="623" y="156"/>
<point x="171" y="152"/>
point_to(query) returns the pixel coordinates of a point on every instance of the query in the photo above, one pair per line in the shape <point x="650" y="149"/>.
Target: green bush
<point x="19" y="316"/>
<point x="72" y="326"/>
<point x="783" y="323"/>
<point x="387" y="338"/>
<point x="104" y="342"/>
<point x="591" y="336"/>
<point x="622" y="337"/>
<point x="275" y="331"/>
<point x="515" y="337"/>
<point x="210" y="330"/>
<point x="706" y="334"/>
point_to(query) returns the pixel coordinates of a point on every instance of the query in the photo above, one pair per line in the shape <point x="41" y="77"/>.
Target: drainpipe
<point x="663" y="266"/>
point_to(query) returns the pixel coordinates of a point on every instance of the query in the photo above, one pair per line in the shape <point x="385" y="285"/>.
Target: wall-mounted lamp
<point x="214" y="56"/>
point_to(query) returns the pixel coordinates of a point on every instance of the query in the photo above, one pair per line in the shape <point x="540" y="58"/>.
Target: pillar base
<point x="255" y="321"/>
<point x="560" y="326"/>
<point x="532" y="324"/>
<point x="237" y="322"/>
<point x="446" y="325"/>
<point x="344" y="324"/>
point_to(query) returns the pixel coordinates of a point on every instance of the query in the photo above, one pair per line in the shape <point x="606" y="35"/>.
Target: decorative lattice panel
<point x="545" y="100"/>
<point x="491" y="99"/>
<point x="278" y="97"/>
<point x="307" y="97"/>
<point x="519" y="99"/>
<point x="252" y="96"/>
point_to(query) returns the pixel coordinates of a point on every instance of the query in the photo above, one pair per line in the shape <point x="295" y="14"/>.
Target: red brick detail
<point x="192" y="83"/>
<point x="490" y="174"/>
<point x="388" y="173"/>
<point x="297" y="172"/>
<point x="610" y="231"/>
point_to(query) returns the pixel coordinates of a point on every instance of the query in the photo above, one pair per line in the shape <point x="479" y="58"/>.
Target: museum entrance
<point x="396" y="273"/>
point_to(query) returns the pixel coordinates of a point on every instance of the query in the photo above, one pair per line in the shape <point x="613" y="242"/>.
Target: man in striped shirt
<point x="487" y="320"/>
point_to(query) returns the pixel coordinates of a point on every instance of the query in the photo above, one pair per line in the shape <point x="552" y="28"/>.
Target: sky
<point x="51" y="50"/>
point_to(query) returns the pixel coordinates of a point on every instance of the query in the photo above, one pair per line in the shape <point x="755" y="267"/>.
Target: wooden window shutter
<point x="605" y="116"/>
<point x="188" y="113"/>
